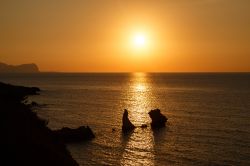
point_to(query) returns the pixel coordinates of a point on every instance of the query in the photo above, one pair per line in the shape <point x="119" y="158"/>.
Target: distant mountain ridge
<point x="23" y="68"/>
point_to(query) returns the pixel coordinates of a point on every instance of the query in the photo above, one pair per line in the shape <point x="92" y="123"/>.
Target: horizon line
<point x="100" y="72"/>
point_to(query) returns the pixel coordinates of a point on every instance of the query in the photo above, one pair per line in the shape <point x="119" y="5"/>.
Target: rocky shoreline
<point x="26" y="139"/>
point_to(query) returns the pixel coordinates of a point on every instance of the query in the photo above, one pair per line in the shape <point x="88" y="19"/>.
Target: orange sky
<point x="97" y="35"/>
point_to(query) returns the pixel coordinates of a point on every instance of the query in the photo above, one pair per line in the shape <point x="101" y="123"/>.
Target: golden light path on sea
<point x="139" y="149"/>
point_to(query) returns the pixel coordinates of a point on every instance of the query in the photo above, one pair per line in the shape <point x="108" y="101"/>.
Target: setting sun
<point x="139" y="40"/>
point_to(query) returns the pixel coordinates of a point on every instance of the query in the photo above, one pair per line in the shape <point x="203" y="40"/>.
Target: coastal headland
<point x="25" y="138"/>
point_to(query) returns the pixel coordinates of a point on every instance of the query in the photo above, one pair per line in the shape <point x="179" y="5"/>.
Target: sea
<point x="208" y="115"/>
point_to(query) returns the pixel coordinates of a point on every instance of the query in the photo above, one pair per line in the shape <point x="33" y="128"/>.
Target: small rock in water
<point x="126" y="124"/>
<point x="68" y="135"/>
<point x="158" y="120"/>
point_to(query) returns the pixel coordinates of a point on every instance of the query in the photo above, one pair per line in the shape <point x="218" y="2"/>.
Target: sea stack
<point x="126" y="124"/>
<point x="158" y="120"/>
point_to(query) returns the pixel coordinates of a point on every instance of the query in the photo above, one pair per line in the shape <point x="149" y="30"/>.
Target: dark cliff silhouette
<point x="25" y="138"/>
<point x="24" y="68"/>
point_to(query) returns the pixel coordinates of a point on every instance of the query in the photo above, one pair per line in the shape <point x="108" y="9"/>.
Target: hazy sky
<point x="97" y="35"/>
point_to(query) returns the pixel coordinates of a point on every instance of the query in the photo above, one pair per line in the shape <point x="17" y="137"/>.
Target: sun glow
<point x="140" y="44"/>
<point x="139" y="40"/>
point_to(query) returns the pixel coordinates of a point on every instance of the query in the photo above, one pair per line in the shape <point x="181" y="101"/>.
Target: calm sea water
<point x="209" y="116"/>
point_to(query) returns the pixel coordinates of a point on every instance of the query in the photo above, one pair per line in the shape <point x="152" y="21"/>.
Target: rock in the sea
<point x="158" y="120"/>
<point x="68" y="135"/>
<point x="126" y="124"/>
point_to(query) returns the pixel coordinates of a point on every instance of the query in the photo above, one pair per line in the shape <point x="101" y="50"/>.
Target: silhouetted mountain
<point x="24" y="68"/>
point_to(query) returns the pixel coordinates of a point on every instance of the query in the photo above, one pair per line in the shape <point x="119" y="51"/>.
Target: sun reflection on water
<point x="139" y="146"/>
<point x="139" y="149"/>
<point x="140" y="99"/>
<point x="140" y="88"/>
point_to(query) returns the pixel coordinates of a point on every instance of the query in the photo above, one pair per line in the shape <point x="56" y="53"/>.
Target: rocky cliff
<point x="24" y="68"/>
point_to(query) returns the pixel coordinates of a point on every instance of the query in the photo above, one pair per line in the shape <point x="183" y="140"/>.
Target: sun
<point x="140" y="43"/>
<point x="139" y="40"/>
